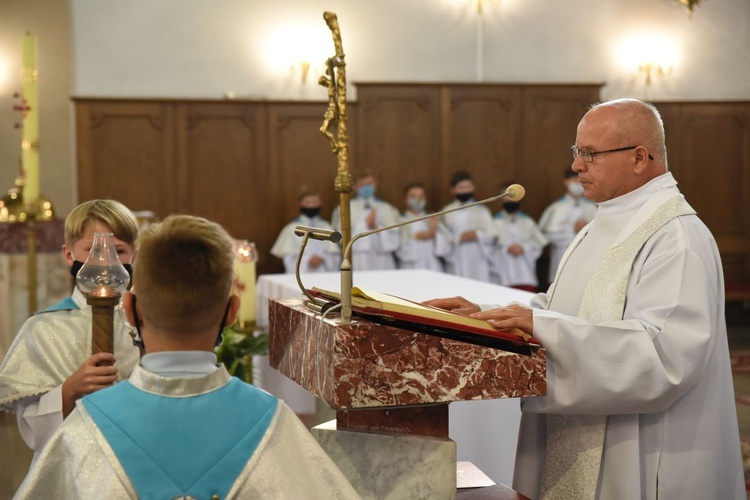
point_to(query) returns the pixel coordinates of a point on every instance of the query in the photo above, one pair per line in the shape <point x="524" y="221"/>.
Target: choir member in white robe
<point x="181" y="427"/>
<point x="470" y="233"/>
<point x="562" y="220"/>
<point x="319" y="256"/>
<point x="367" y="212"/>
<point x="419" y="239"/>
<point x="519" y="245"/>
<point x="640" y="401"/>
<point x="49" y="365"/>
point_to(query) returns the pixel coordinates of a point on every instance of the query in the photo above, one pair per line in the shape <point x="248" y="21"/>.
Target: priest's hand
<point x="511" y="316"/>
<point x="315" y="261"/>
<point x="468" y="236"/>
<point x="87" y="379"/>
<point x="458" y="305"/>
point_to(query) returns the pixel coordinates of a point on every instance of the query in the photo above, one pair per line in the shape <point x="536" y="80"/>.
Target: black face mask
<point x="512" y="206"/>
<point x="77" y="265"/>
<point x="309" y="212"/>
<point x="464" y="197"/>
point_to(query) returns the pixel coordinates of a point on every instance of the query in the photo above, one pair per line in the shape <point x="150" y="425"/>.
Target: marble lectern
<point x="391" y="388"/>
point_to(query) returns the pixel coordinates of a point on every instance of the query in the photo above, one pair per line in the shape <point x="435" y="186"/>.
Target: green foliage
<point x="238" y="348"/>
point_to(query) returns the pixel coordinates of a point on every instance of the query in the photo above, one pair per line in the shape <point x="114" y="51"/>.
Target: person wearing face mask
<point x="367" y="212"/>
<point x="564" y="218"/>
<point x="49" y="365"/>
<point x="319" y="256"/>
<point x="519" y="245"/>
<point x="470" y="233"/>
<point x="418" y="240"/>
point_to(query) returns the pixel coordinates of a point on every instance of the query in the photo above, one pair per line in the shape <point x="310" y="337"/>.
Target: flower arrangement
<point x="238" y="348"/>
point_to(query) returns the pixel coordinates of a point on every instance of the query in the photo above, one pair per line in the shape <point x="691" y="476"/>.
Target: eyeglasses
<point x="588" y="155"/>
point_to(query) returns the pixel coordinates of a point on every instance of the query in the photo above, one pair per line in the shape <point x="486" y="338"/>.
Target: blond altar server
<point x="367" y="212"/>
<point x="181" y="427"/>
<point x="562" y="220"/>
<point x="470" y="233"/>
<point x="418" y="240"/>
<point x="519" y="245"/>
<point x="319" y="256"/>
<point x="49" y="365"/>
<point x="640" y="402"/>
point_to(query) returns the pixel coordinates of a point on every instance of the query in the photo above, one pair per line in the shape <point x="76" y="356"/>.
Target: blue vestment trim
<point x="503" y="215"/>
<point x="176" y="446"/>
<point x="66" y="304"/>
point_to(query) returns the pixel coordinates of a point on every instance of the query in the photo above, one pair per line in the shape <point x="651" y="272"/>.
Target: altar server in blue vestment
<point x="181" y="427"/>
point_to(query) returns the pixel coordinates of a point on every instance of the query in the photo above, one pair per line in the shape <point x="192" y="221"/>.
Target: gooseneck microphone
<point x="316" y="233"/>
<point x="515" y="192"/>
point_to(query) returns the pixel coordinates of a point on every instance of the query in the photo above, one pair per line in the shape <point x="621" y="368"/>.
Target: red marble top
<point x="367" y="365"/>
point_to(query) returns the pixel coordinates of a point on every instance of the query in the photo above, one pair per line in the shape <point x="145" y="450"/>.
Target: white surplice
<point x="661" y="375"/>
<point x="516" y="229"/>
<point x="557" y="223"/>
<point x="287" y="247"/>
<point x="376" y="251"/>
<point x="414" y="253"/>
<point x="48" y="349"/>
<point x="470" y="259"/>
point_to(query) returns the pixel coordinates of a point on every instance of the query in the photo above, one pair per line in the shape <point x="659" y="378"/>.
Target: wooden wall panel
<point x="125" y="152"/>
<point x="399" y="137"/>
<point x="480" y="135"/>
<point x="225" y="173"/>
<point x="550" y="118"/>
<point x="241" y="163"/>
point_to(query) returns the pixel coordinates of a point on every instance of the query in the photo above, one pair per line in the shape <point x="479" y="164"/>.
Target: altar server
<point x="519" y="245"/>
<point x="49" y="365"/>
<point x="181" y="427"/>
<point x="419" y="239"/>
<point x="562" y="220"/>
<point x="470" y="233"/>
<point x="639" y="401"/>
<point x="367" y="212"/>
<point x="319" y="256"/>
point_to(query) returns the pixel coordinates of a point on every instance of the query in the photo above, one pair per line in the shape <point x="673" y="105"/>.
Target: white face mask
<point x="575" y="189"/>
<point x="416" y="204"/>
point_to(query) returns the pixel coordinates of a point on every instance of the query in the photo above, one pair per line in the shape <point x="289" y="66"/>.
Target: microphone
<point x="315" y="233"/>
<point x="514" y="192"/>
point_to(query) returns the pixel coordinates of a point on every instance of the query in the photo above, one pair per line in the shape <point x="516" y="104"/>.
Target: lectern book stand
<point x="390" y="387"/>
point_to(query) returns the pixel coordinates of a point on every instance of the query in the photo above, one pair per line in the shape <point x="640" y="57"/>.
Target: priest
<point x="181" y="427"/>
<point x="639" y="401"/>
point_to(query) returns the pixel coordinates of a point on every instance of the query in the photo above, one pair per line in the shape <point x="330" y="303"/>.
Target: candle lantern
<point x="102" y="279"/>
<point x="246" y="256"/>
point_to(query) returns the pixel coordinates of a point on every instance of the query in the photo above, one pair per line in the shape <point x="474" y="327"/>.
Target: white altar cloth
<point x="485" y="431"/>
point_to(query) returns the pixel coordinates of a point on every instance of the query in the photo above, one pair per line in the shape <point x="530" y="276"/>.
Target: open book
<point x="375" y="303"/>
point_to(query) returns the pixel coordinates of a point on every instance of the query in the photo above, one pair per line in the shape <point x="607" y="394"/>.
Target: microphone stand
<point x="317" y="305"/>
<point x="514" y="193"/>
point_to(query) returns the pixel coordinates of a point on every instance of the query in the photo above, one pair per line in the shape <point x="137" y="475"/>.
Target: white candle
<point x="245" y="257"/>
<point x="30" y="143"/>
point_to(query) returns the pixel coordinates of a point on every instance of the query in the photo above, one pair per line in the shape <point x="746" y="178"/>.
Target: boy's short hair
<point x="460" y="176"/>
<point x="183" y="274"/>
<point x="306" y="191"/>
<point x="114" y="214"/>
<point x="411" y="186"/>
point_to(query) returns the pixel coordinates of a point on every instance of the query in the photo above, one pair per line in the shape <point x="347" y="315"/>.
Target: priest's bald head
<point x="619" y="147"/>
<point x="183" y="285"/>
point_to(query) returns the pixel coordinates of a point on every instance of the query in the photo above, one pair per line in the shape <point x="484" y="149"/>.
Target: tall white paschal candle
<point x="30" y="142"/>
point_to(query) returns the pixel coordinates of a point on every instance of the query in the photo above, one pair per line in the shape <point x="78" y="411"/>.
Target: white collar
<point x="179" y="363"/>
<point x="639" y="196"/>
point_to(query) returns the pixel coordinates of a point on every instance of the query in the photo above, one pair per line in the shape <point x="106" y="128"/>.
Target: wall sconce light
<point x="298" y="50"/>
<point x="303" y="67"/>
<point x="658" y="69"/>
<point x="652" y="56"/>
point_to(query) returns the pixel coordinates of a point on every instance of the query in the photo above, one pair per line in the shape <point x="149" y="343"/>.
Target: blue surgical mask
<point x="366" y="191"/>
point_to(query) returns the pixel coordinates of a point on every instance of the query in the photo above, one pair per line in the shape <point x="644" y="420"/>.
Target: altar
<point x="485" y="431"/>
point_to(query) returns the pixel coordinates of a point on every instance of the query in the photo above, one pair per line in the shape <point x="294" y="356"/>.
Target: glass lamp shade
<point x="102" y="274"/>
